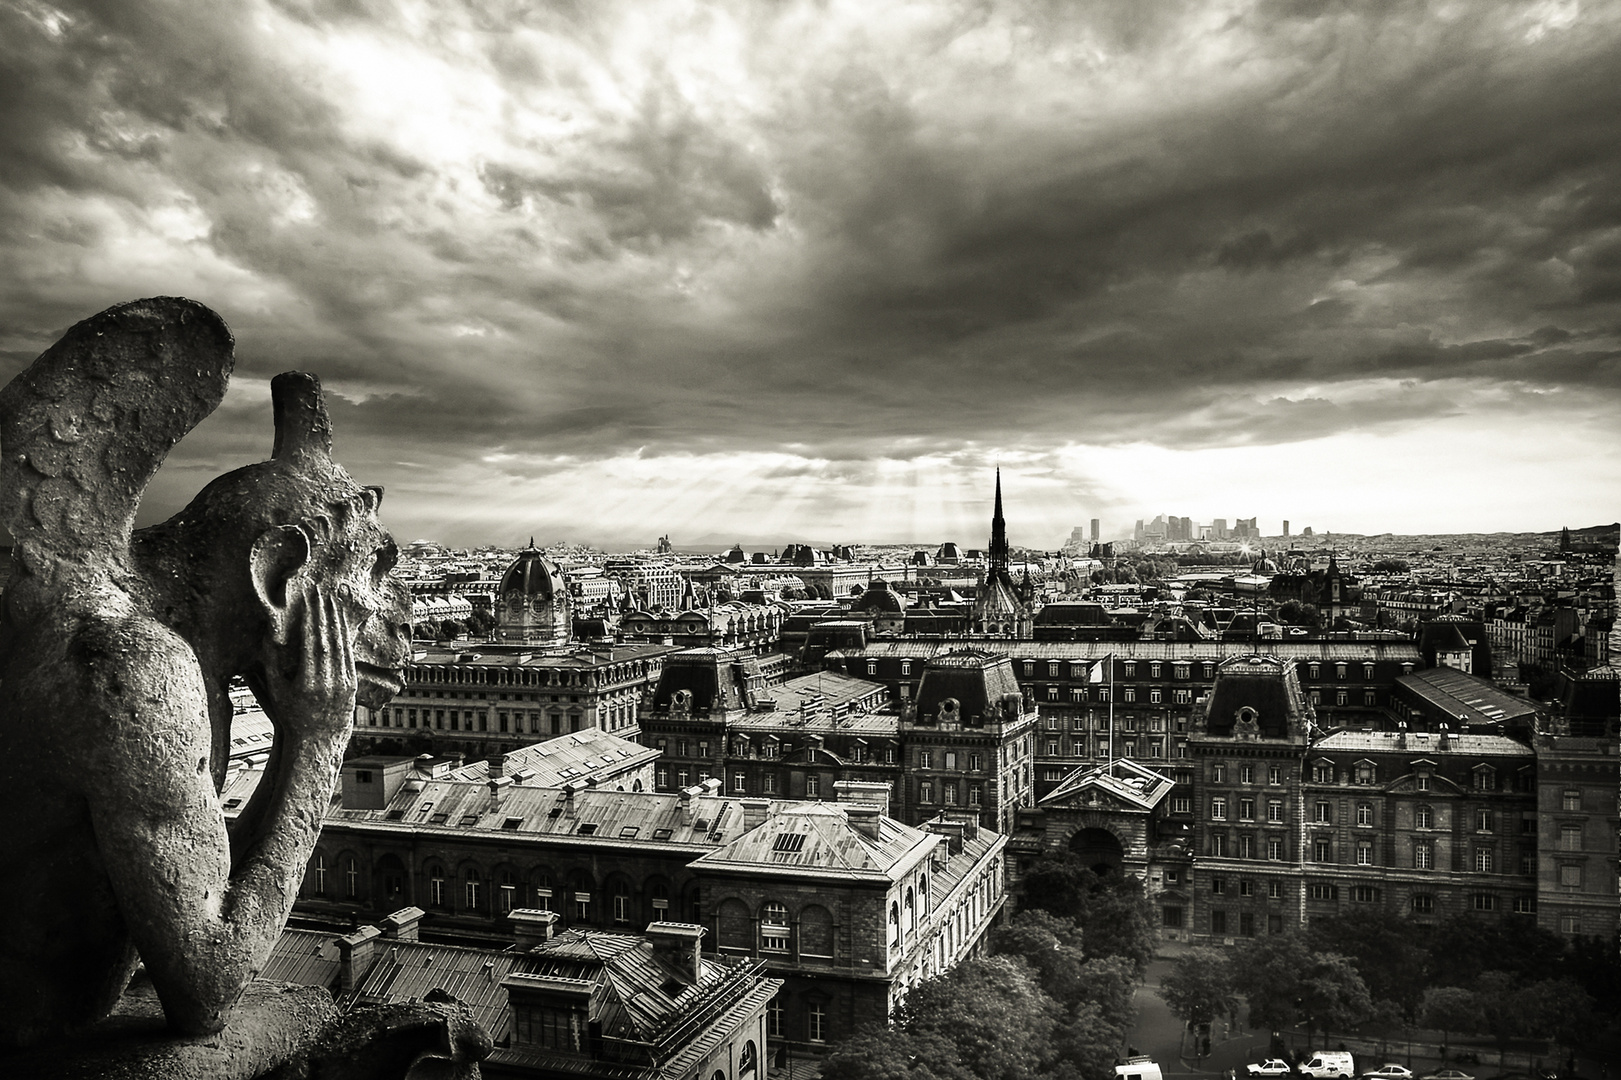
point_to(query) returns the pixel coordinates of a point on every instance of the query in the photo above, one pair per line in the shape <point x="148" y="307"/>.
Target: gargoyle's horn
<point x="303" y="428"/>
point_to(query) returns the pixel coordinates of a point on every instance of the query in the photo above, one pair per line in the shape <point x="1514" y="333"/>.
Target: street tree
<point x="1387" y="950"/>
<point x="993" y="1013"/>
<point x="1450" y="1009"/>
<point x="1332" y="994"/>
<point x="1266" y="972"/>
<point x="1115" y="916"/>
<point x="1109" y="983"/>
<point x="1199" y="986"/>
<point x="1051" y="945"/>
<point x="876" y="1053"/>
<point x="1085" y="1045"/>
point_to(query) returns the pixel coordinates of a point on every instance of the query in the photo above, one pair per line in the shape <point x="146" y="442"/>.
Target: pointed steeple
<point x="999" y="548"/>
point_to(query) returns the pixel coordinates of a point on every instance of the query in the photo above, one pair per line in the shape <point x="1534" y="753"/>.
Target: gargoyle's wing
<point x="84" y="429"/>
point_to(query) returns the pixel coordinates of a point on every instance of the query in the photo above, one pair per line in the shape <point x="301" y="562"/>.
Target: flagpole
<point x="1111" y="707"/>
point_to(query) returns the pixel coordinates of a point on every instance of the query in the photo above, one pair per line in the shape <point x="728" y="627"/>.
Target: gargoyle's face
<point x="363" y="555"/>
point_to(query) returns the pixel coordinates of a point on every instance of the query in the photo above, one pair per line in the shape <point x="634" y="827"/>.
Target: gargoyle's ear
<point x="277" y="555"/>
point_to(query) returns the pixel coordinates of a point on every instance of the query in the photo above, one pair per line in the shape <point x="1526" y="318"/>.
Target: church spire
<point x="999" y="549"/>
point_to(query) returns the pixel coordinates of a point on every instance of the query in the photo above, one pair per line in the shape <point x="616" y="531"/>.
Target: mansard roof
<point x="975" y="678"/>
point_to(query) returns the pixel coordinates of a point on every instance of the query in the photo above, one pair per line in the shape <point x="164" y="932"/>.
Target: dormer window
<point x="1367" y="671"/>
<point x="1485" y="778"/>
<point x="1339" y="671"/>
<point x="1365" y="772"/>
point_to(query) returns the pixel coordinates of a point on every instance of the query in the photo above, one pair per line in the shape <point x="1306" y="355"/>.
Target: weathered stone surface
<point x="434" y="1039"/>
<point x="116" y="651"/>
<point x="271" y="1025"/>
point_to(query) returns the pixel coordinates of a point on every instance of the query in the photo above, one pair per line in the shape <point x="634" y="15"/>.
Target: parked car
<point x="1329" y="1065"/>
<point x="1389" y="1072"/>
<point x="1275" y="1067"/>
<point x="1447" y="1074"/>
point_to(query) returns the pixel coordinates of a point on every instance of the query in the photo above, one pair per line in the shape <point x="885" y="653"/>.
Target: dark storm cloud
<point x="524" y="232"/>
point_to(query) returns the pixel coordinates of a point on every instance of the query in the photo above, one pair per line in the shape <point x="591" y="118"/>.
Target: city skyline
<point x="813" y="272"/>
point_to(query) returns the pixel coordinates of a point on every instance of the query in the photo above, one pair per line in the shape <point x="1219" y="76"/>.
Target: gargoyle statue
<point x="116" y="651"/>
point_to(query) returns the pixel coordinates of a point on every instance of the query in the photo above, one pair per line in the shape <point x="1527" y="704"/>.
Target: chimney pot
<point x="356" y="953"/>
<point x="531" y="926"/>
<point x="680" y="946"/>
<point x="402" y="924"/>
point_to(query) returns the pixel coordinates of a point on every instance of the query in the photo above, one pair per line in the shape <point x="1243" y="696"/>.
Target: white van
<point x="1141" y="1067"/>
<point x="1329" y="1065"/>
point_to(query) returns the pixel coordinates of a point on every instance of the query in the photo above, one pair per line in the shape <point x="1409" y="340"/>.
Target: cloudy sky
<point x="788" y="271"/>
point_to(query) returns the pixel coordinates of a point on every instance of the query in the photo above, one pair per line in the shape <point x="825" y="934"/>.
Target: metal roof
<point x="1193" y="651"/>
<point x="831" y="844"/>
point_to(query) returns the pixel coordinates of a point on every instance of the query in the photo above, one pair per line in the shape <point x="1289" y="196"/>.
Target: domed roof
<point x="879" y="597"/>
<point x="532" y="574"/>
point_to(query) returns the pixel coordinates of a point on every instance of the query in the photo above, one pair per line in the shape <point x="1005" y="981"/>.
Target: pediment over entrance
<point x="1121" y="785"/>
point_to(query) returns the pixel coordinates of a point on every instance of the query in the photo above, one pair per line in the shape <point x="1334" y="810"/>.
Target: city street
<point x="1159" y="1034"/>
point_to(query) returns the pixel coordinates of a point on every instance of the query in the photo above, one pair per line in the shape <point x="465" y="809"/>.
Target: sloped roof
<point x="463" y="807"/>
<point x="1192" y="651"/>
<point x="831" y="845"/>
<point x="1465" y="697"/>
<point x="409" y="970"/>
<point x="579" y="755"/>
<point x="1123" y="779"/>
<point x="1420" y="744"/>
<point x="305" y="957"/>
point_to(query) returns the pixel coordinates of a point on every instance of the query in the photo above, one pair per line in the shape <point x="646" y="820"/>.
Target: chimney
<point x="679" y="946"/>
<point x="951" y="829"/>
<point x="498" y="766"/>
<point x="755" y="812"/>
<point x="1446" y="740"/>
<point x="498" y="786"/>
<point x="687" y="795"/>
<point x="569" y="790"/>
<point x="1401" y="734"/>
<point x="711" y="786"/>
<point x="864" y="816"/>
<point x="357" y="952"/>
<point x="402" y="925"/>
<point x="873" y="792"/>
<point x="531" y="926"/>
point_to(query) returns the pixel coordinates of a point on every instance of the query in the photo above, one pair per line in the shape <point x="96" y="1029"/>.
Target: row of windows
<point x="1246" y="809"/>
<point x="473" y="890"/>
<point x="479" y="720"/>
<point x="1247" y="773"/>
<point x="1483" y="777"/>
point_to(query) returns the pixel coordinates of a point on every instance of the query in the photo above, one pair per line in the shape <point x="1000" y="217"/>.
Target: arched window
<point x="923" y="894"/>
<point x="748" y="1062"/>
<point x="774" y="927"/>
<point x="317" y="874"/>
<point x="816" y="932"/>
<point x="436" y="886"/>
<point x="351" y="878"/>
<point x="734" y="929"/>
<point x="911" y="910"/>
<point x="471" y="888"/>
<point x="894" y="924"/>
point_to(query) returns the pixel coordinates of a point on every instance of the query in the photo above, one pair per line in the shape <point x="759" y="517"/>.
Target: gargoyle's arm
<point x="202" y="931"/>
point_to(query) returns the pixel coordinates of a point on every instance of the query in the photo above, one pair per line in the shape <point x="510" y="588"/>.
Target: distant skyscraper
<point x="1285" y="526"/>
<point x="1094" y="530"/>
